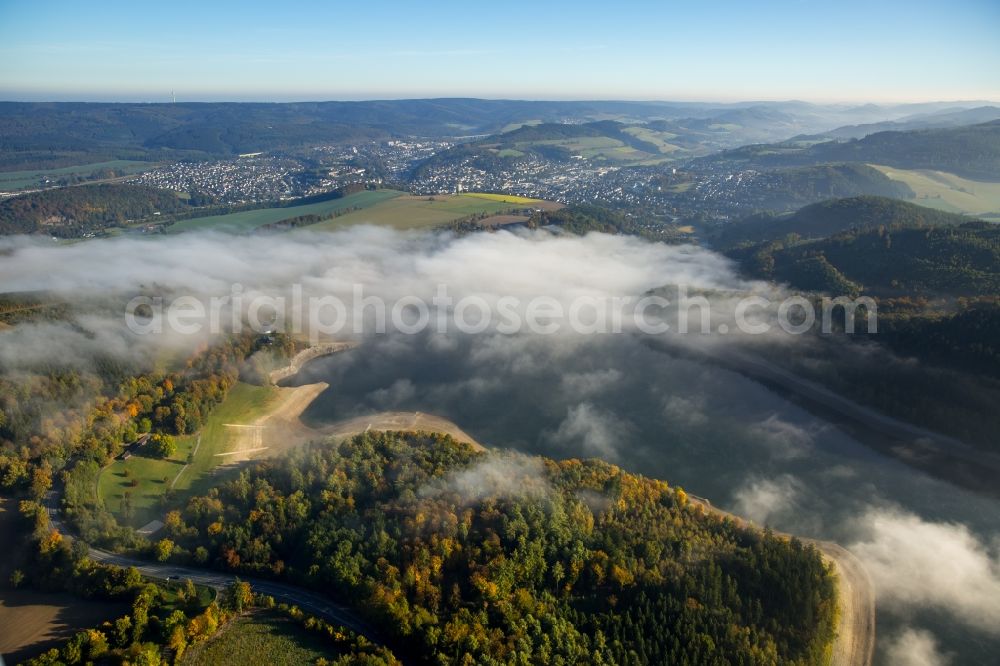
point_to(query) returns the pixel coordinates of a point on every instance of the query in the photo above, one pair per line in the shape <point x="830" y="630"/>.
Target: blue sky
<point x="723" y="50"/>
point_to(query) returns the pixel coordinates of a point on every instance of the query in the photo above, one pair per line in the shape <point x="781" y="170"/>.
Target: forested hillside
<point x="788" y="189"/>
<point x="971" y="151"/>
<point x="70" y="212"/>
<point x="484" y="558"/>
<point x="835" y="216"/>
<point x="905" y="257"/>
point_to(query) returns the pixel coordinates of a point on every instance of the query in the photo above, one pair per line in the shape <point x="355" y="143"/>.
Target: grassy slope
<point x="260" y="638"/>
<point x="243" y="404"/>
<point x="948" y="192"/>
<point x="251" y="219"/>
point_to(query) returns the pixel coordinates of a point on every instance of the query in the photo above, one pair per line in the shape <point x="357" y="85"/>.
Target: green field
<point x="509" y="152"/>
<point x="260" y="638"/>
<point x="251" y="219"/>
<point x="512" y="199"/>
<point x="946" y="191"/>
<point x="243" y="404"/>
<point x="610" y="149"/>
<point x="589" y="146"/>
<point x="16" y="180"/>
<point x="413" y="212"/>
<point x="513" y="126"/>
<point x="658" y="139"/>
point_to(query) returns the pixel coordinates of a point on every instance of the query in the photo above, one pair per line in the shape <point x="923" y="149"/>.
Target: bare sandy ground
<point x="277" y="430"/>
<point x="400" y="421"/>
<point x="281" y="427"/>
<point x="855" y="642"/>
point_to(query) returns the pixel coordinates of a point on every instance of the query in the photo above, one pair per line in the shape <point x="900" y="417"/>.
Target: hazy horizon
<point x="854" y="52"/>
<point x="167" y="99"/>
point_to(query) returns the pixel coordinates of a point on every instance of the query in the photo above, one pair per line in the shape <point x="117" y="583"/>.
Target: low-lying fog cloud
<point x="915" y="647"/>
<point x="664" y="412"/>
<point x="914" y="562"/>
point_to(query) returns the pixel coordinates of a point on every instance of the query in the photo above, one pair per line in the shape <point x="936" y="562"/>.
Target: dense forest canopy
<point x="73" y="211"/>
<point x="469" y="557"/>
<point x="834" y="216"/>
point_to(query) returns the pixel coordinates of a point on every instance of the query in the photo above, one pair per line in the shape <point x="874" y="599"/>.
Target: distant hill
<point x="40" y="135"/>
<point x="791" y="188"/>
<point x="971" y="151"/>
<point x="872" y="245"/>
<point x="70" y="212"/>
<point x="831" y="217"/>
<point x="617" y="142"/>
<point x="49" y="135"/>
<point x="936" y="261"/>
<point x="939" y="119"/>
<point x="606" y="141"/>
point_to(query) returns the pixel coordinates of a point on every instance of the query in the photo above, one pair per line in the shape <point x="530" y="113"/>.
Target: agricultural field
<point x="32" y="621"/>
<point x="591" y="147"/>
<point x="513" y="126"/>
<point x="17" y="180"/>
<point x="260" y="638"/>
<point x="658" y="139"/>
<point x="505" y="198"/>
<point x="948" y="192"/>
<point x="609" y="148"/>
<point x="421" y="212"/>
<point x="509" y="152"/>
<point x="251" y="219"/>
<point x="148" y="479"/>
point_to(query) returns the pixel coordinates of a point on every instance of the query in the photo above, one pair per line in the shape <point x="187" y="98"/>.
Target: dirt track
<point x="855" y="642"/>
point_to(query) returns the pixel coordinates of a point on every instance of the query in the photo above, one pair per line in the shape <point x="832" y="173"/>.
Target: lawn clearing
<point x="251" y="219"/>
<point x="946" y="191"/>
<point x="148" y="479"/>
<point x="261" y="638"/>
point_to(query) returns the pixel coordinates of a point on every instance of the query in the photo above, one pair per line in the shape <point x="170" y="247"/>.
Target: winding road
<point x="310" y="602"/>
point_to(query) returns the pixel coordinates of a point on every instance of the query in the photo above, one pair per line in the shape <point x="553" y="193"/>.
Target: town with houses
<point x="663" y="193"/>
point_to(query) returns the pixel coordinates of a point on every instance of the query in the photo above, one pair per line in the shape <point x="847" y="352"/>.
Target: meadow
<point x="658" y="139"/>
<point x="948" y="192"/>
<point x="260" y="638"/>
<point x="251" y="219"/>
<point x="153" y="477"/>
<point x="16" y="180"/>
